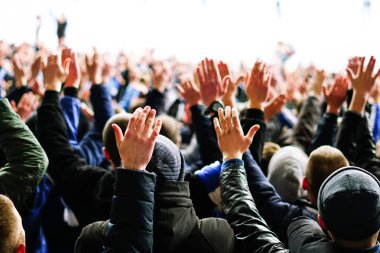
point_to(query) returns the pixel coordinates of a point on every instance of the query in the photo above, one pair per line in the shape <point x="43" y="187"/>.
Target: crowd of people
<point x="156" y="155"/>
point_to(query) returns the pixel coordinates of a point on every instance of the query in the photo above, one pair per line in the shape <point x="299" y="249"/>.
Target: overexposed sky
<point x="324" y="32"/>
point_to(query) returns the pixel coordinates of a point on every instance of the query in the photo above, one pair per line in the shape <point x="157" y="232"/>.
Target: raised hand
<point x="36" y="68"/>
<point x="274" y="106"/>
<point x="137" y="144"/>
<point x="161" y="76"/>
<point x="190" y="92"/>
<point x="210" y="85"/>
<point x="55" y="72"/>
<point x="362" y="83"/>
<point x="231" y="139"/>
<point x="257" y="85"/>
<point x="336" y="94"/>
<point x="73" y="77"/>
<point x="317" y="83"/>
<point x="26" y="106"/>
<point x="20" y="71"/>
<point x="229" y="87"/>
<point x="94" y="68"/>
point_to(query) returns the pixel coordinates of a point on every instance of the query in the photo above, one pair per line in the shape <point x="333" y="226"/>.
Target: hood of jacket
<point x="174" y="215"/>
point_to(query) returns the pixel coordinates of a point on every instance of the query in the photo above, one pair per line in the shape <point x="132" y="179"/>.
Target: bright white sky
<point x="324" y="32"/>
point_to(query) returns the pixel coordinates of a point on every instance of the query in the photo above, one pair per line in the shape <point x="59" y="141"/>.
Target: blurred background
<point x="322" y="32"/>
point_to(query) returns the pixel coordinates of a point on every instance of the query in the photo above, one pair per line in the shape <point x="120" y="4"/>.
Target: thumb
<point x="225" y="82"/>
<point x="14" y="106"/>
<point x="252" y="131"/>
<point x="118" y="134"/>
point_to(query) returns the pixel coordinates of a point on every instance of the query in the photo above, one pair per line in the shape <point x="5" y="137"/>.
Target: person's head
<point x="349" y="207"/>
<point x="270" y="148"/>
<point x="167" y="160"/>
<point x="322" y="162"/>
<point x="171" y="129"/>
<point x="12" y="235"/>
<point x="286" y="170"/>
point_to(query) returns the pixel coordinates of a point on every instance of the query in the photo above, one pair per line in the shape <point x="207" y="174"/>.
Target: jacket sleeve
<point x="26" y="160"/>
<point x="206" y="136"/>
<point x="347" y="134"/>
<point x="130" y="229"/>
<point x="91" y="146"/>
<point x="71" y="107"/>
<point x="253" y="117"/>
<point x="156" y="100"/>
<point x="306" y="236"/>
<point x="308" y="118"/>
<point x="273" y="209"/>
<point x="86" y="190"/>
<point x="326" y="131"/>
<point x="365" y="155"/>
<point x="251" y="232"/>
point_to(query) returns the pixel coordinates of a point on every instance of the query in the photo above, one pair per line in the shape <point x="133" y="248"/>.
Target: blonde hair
<point x="322" y="162"/>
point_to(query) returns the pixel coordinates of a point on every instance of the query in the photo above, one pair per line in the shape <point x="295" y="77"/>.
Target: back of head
<point x="11" y="231"/>
<point x="109" y="140"/>
<point x="170" y="128"/>
<point x="286" y="170"/>
<point x="270" y="148"/>
<point x="349" y="204"/>
<point x="323" y="162"/>
<point x="167" y="161"/>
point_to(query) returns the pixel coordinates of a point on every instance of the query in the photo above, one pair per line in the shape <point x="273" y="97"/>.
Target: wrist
<point x="333" y="110"/>
<point x="53" y="86"/>
<point x="229" y="156"/>
<point x="21" y="82"/>
<point x="358" y="102"/>
<point x="255" y="105"/>
<point x="130" y="166"/>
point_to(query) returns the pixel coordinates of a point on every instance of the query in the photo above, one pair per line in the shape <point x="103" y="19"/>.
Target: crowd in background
<point x="114" y="154"/>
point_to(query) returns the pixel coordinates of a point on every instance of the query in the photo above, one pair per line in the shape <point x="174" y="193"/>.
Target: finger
<point x="141" y="119"/>
<point x="235" y="118"/>
<point x="156" y="130"/>
<point x="87" y="59"/>
<point x="228" y="117"/>
<point x="133" y="120"/>
<point x="180" y="89"/>
<point x="370" y="66"/>
<point x="324" y="91"/>
<point x="222" y="118"/>
<point x="239" y="79"/>
<point x="252" y="131"/>
<point x="118" y="134"/>
<point x="226" y="81"/>
<point x="14" y="106"/>
<point x="217" y="128"/>
<point x="350" y="74"/>
<point x="361" y="65"/>
<point x="148" y="126"/>
<point x="201" y="77"/>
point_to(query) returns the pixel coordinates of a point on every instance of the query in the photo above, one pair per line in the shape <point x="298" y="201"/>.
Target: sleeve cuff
<point x="255" y="114"/>
<point x="232" y="163"/>
<point x="51" y="97"/>
<point x="71" y="92"/>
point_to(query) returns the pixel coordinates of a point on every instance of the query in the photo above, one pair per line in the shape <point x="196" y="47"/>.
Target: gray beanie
<point x="286" y="170"/>
<point x="349" y="203"/>
<point x="167" y="161"/>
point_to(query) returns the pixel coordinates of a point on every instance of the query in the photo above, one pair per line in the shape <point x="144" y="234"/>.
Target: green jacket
<point x="26" y="160"/>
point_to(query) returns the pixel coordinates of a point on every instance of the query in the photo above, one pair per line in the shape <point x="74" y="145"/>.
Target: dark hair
<point x="109" y="140"/>
<point x="171" y="128"/>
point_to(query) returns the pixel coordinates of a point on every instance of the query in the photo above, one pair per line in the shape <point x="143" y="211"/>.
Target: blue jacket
<point x="90" y="147"/>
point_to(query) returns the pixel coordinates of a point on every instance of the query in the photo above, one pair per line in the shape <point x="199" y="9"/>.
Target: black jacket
<point x="176" y="227"/>
<point x="130" y="228"/>
<point x="251" y="231"/>
<point x="86" y="190"/>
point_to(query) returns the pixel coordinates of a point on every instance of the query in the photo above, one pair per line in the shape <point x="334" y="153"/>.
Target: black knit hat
<point x="167" y="161"/>
<point x="349" y="203"/>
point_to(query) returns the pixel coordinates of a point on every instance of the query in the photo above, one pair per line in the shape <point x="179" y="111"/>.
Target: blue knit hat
<point x="349" y="203"/>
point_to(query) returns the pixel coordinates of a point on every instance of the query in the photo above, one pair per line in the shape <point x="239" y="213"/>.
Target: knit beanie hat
<point x="167" y="161"/>
<point x="286" y="170"/>
<point x="349" y="203"/>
